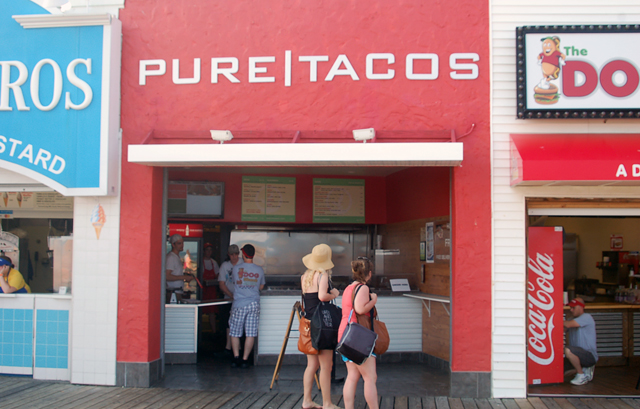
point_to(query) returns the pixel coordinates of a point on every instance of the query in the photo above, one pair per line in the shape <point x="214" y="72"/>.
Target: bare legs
<point x="248" y="346"/>
<point x="369" y="375"/>
<point x="574" y="360"/>
<point x="324" y="361"/>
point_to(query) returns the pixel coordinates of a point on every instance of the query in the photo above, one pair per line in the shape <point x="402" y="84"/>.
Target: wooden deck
<point x="27" y="393"/>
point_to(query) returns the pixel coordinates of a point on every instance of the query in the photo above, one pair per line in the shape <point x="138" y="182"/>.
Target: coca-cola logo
<point x="540" y="289"/>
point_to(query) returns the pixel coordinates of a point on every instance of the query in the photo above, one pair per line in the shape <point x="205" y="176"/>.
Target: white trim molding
<point x="307" y="154"/>
<point x="65" y="20"/>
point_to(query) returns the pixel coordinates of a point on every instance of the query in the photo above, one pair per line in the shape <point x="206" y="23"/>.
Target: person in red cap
<point x="248" y="280"/>
<point x="581" y="350"/>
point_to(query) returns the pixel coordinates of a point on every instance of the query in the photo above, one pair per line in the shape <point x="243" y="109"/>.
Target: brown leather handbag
<point x="379" y="327"/>
<point x="304" y="340"/>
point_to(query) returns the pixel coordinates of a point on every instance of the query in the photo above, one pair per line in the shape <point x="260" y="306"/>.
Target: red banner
<point x="544" y="302"/>
<point x="185" y="230"/>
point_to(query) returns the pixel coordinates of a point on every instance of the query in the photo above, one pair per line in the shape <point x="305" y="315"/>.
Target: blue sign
<point x="53" y="117"/>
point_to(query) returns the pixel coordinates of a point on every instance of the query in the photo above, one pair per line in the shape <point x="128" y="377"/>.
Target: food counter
<point x="402" y="315"/>
<point x="618" y="332"/>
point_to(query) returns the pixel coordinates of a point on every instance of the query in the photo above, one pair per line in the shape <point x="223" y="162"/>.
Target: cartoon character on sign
<point x="550" y="60"/>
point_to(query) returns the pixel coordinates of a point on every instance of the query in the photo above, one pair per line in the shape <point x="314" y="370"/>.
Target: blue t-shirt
<point x="247" y="279"/>
<point x="585" y="335"/>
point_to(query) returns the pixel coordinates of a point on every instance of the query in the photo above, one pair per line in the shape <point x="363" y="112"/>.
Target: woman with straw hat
<point x="315" y="284"/>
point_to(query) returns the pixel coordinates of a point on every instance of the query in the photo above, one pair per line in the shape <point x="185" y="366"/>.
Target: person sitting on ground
<point x="581" y="351"/>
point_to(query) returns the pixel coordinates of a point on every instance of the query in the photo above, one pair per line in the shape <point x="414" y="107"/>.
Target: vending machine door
<point x="544" y="306"/>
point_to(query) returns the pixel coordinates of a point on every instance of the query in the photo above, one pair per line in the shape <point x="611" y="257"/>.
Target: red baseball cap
<point x="575" y="302"/>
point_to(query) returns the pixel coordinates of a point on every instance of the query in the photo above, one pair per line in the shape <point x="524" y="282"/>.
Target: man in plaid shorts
<point x="248" y="280"/>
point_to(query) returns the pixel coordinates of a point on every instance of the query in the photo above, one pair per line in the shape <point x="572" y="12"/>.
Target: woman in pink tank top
<point x="363" y="303"/>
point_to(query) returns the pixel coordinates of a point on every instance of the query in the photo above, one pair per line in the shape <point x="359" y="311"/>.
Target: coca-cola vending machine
<point x="544" y="306"/>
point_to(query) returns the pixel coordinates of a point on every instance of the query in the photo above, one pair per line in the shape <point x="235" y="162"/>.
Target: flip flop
<point x="312" y="407"/>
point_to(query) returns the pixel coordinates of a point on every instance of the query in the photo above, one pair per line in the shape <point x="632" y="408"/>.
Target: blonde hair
<point x="307" y="278"/>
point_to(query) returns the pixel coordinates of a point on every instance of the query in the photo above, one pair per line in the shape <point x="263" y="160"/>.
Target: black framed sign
<point x="590" y="71"/>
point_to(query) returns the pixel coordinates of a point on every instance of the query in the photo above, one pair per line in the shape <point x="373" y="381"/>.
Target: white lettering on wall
<point x="390" y="58"/>
<point x="287" y="68"/>
<point x="540" y="301"/>
<point x="145" y="71"/>
<point x="378" y="67"/>
<point x="228" y="72"/>
<point x="254" y="69"/>
<point x="621" y="171"/>
<point x="83" y="86"/>
<point x="347" y="70"/>
<point x="635" y="170"/>
<point x="42" y="157"/>
<point x="313" y="64"/>
<point x="427" y="76"/>
<point x="35" y="84"/>
<point x="455" y="65"/>
<point x="6" y="87"/>
<point x="176" y="72"/>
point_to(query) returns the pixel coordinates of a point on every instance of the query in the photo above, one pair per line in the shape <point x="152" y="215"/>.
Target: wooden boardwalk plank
<point x="455" y="403"/>
<point x="620" y="404"/>
<point x="26" y="395"/>
<point x="550" y="403"/>
<point x="469" y="403"/>
<point x="414" y="402"/>
<point x="237" y="401"/>
<point x="169" y="401"/>
<point x="158" y="395"/>
<point x="18" y="390"/>
<point x="277" y="401"/>
<point x="124" y="396"/>
<point x="221" y="400"/>
<point x="591" y="403"/>
<point x="482" y="404"/>
<point x="634" y="403"/>
<point x="8" y="383"/>
<point x="429" y="402"/>
<point x="142" y="395"/>
<point x="401" y="402"/>
<point x="442" y="402"/>
<point x="386" y="402"/>
<point x="510" y="404"/>
<point x="563" y="403"/>
<point x="66" y="396"/>
<point x="606" y="403"/>
<point x="205" y="399"/>
<point x="537" y="403"/>
<point x="523" y="404"/>
<point x="577" y="403"/>
<point x="496" y="403"/>
<point x="263" y="400"/>
<point x="359" y="403"/>
<point x="95" y="398"/>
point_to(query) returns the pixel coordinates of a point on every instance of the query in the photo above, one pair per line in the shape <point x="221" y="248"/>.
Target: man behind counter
<point x="581" y="351"/>
<point x="174" y="271"/>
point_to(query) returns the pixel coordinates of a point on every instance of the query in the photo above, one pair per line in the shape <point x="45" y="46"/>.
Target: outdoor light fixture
<point x="364" y="135"/>
<point x="221" y="136"/>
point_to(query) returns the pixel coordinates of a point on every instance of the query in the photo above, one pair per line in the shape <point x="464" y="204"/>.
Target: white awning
<point x="298" y="154"/>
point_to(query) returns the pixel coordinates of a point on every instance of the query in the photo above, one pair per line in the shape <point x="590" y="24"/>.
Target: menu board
<point x="338" y="200"/>
<point x="36" y="201"/>
<point x="195" y="199"/>
<point x="268" y="199"/>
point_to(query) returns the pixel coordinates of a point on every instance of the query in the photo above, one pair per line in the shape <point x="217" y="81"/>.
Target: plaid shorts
<point x="245" y="318"/>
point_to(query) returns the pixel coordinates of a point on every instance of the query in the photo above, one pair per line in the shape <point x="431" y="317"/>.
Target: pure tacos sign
<point x="578" y="72"/>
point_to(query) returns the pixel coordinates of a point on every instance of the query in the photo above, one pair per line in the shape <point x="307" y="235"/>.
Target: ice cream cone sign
<point x="19" y="199"/>
<point x="5" y="197"/>
<point x="98" y="219"/>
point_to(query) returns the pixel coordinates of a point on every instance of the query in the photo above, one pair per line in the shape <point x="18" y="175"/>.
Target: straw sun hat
<point x="320" y="258"/>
